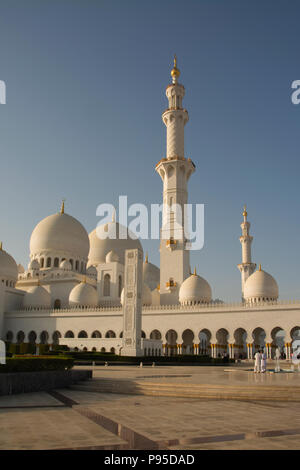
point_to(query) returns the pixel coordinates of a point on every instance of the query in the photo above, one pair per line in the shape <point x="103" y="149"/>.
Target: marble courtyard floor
<point x="84" y="418"/>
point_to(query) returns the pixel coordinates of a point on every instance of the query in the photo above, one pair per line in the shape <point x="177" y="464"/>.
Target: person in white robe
<point x="257" y="361"/>
<point x="263" y="364"/>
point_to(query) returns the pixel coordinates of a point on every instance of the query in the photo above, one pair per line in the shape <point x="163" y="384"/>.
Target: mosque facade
<point x="72" y="292"/>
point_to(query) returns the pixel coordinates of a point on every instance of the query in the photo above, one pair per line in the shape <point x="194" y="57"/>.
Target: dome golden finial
<point x="146" y="258"/>
<point x="259" y="267"/>
<point x="195" y="271"/>
<point x="175" y="72"/>
<point x="62" y="208"/>
<point x="245" y="211"/>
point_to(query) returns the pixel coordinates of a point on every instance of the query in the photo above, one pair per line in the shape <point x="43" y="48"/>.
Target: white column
<point x="132" y="305"/>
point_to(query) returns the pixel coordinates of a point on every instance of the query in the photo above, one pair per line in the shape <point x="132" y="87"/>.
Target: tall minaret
<point x="246" y="267"/>
<point x="175" y="171"/>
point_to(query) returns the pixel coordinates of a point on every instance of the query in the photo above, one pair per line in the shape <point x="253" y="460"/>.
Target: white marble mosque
<point x="72" y="291"/>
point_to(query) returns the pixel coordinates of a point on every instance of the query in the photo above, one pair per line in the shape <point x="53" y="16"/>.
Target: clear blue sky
<point x="85" y="91"/>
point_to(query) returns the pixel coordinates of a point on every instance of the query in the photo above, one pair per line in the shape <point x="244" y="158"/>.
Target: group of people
<point x="260" y="363"/>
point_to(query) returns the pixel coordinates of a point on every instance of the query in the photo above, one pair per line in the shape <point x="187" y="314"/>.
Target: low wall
<point x="24" y="382"/>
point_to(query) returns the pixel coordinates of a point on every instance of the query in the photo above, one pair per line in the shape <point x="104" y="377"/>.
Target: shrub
<point x="36" y="363"/>
<point x="187" y="359"/>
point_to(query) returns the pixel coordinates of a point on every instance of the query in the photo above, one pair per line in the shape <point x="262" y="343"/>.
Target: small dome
<point x="60" y="233"/>
<point x="151" y="274"/>
<point x="92" y="272"/>
<point x="66" y="265"/>
<point x="21" y="269"/>
<point x="83" y="294"/>
<point x="34" y="265"/>
<point x="194" y="290"/>
<point x="146" y="295"/>
<point x="8" y="266"/>
<point x="105" y="238"/>
<point x="260" y="286"/>
<point x="111" y="257"/>
<point x="37" y="296"/>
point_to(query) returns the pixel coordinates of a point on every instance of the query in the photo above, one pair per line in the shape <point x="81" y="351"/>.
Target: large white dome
<point x="60" y="233"/>
<point x="83" y="294"/>
<point x="8" y="266"/>
<point x="194" y="290"/>
<point x="37" y="296"/>
<point x="101" y="246"/>
<point x="260" y="286"/>
<point x="151" y="274"/>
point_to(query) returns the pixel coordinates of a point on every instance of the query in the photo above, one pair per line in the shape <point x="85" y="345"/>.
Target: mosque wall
<point x="221" y="324"/>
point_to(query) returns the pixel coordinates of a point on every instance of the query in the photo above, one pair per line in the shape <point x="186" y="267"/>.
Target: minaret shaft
<point x="175" y="171"/>
<point x="246" y="267"/>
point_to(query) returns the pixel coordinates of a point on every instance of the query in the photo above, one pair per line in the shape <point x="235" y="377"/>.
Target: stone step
<point x="191" y="390"/>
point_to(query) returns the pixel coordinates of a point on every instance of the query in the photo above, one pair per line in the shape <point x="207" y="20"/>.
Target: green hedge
<point x="110" y="357"/>
<point x="36" y="363"/>
<point x="26" y="348"/>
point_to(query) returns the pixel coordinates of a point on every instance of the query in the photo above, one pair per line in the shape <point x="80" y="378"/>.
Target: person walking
<point x="263" y="365"/>
<point x="257" y="362"/>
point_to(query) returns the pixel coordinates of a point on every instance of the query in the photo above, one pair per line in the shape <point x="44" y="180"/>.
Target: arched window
<point x="20" y="337"/>
<point x="110" y="334"/>
<point x="112" y="350"/>
<point x="102" y="350"/>
<point x="106" y="287"/>
<point x="77" y="265"/>
<point x="69" y="334"/>
<point x="56" y="262"/>
<point x="9" y="336"/>
<point x="57" y="304"/>
<point x="82" y="334"/>
<point x="48" y="262"/>
<point x="42" y="262"/>
<point x="71" y="262"/>
<point x="120" y="286"/>
<point x="82" y="266"/>
<point x="44" y="337"/>
<point x="32" y="337"/>
<point x="55" y="337"/>
<point x="96" y="334"/>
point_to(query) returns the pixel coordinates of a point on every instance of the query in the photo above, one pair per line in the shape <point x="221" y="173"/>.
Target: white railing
<point x="158" y="308"/>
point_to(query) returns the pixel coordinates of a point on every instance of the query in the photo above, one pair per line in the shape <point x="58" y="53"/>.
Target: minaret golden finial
<point x="245" y="211"/>
<point x="175" y="72"/>
<point x="62" y="208"/>
<point x="146" y="258"/>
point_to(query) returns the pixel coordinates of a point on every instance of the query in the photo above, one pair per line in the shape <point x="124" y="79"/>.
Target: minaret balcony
<point x="171" y="285"/>
<point x="171" y="244"/>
